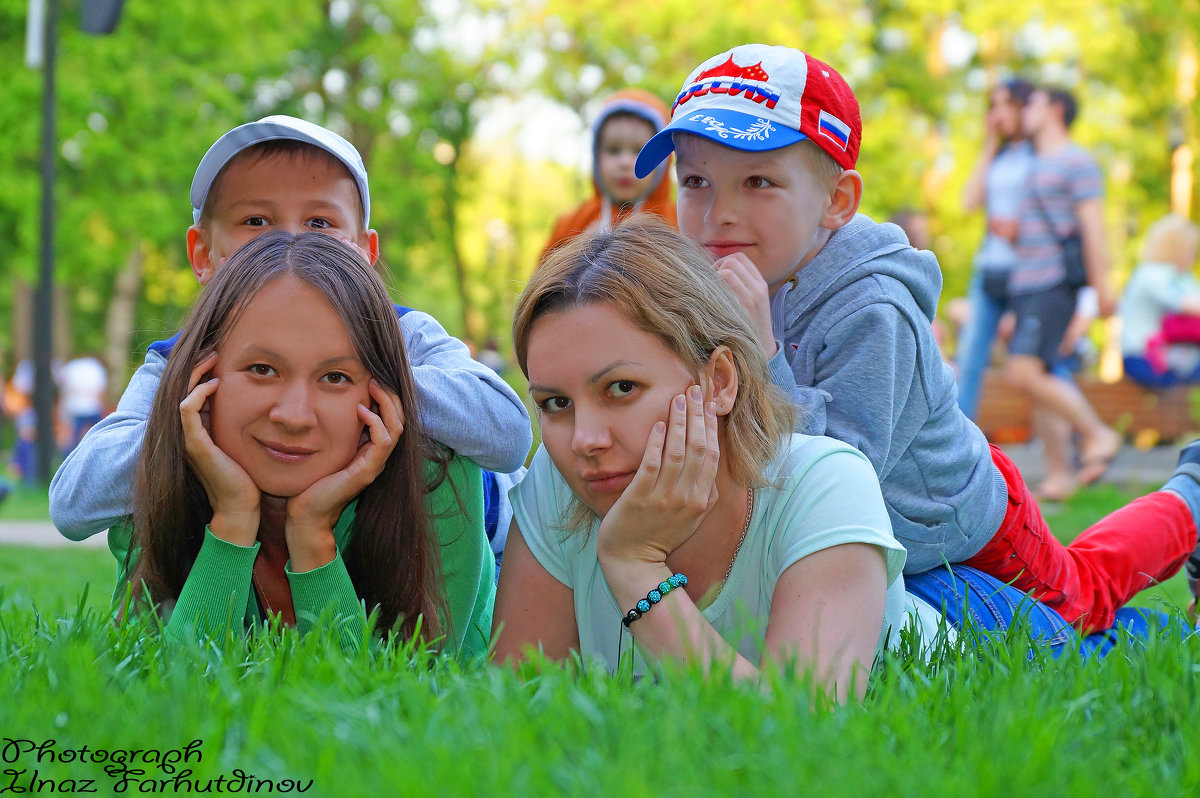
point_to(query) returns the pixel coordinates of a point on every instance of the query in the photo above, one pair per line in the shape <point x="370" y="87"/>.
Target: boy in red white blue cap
<point x="766" y="139"/>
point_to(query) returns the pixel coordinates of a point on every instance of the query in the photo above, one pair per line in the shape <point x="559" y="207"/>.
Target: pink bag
<point x="1176" y="329"/>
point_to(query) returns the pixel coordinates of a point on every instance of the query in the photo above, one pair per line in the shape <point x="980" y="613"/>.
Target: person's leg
<point x="1185" y="483"/>
<point x="1137" y="623"/>
<point x="1042" y="320"/>
<point x="1145" y="542"/>
<point x="1055" y="434"/>
<point x="975" y="345"/>
<point x="974" y="602"/>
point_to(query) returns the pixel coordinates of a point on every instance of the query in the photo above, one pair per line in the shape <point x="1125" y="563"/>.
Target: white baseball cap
<point x="272" y="128"/>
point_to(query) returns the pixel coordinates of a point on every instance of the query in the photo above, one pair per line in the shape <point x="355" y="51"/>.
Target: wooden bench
<point x="1144" y="416"/>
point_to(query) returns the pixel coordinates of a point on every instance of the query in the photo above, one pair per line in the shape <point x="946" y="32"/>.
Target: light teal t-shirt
<point x="823" y="493"/>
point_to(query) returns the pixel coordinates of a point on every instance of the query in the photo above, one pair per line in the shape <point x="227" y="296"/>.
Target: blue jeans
<point x="975" y="344"/>
<point x="1138" y="368"/>
<point x="964" y="593"/>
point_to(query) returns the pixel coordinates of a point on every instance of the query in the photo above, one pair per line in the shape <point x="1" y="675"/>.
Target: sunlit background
<point x="474" y="120"/>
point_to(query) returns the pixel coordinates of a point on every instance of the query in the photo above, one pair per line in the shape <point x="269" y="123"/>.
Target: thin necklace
<point x="262" y="594"/>
<point x="742" y="539"/>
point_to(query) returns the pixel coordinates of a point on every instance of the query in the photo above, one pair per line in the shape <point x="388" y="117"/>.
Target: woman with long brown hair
<point x="285" y="473"/>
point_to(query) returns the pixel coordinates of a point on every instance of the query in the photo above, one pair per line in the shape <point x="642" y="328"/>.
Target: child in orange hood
<point x="626" y="122"/>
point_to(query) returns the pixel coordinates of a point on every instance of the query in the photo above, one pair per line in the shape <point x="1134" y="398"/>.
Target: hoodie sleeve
<point x="870" y="352"/>
<point x="465" y="405"/>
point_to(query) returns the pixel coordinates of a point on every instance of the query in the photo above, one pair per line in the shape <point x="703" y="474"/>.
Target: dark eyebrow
<point x="271" y="354"/>
<point x="595" y="378"/>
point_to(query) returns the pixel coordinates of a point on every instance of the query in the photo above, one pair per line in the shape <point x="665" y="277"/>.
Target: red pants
<point x="1125" y="552"/>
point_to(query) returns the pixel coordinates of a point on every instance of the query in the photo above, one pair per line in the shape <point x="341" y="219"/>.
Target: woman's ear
<point x="721" y="380"/>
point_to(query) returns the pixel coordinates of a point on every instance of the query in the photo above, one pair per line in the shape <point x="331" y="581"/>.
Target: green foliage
<point x="461" y="219"/>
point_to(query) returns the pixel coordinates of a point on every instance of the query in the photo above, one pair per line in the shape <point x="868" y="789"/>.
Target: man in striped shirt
<point x="1064" y="198"/>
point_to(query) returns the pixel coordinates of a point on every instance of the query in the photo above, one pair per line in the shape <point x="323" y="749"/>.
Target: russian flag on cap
<point x="834" y="129"/>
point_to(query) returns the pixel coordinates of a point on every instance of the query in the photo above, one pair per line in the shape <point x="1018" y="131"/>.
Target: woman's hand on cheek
<point x="312" y="514"/>
<point x="673" y="490"/>
<point x="234" y="497"/>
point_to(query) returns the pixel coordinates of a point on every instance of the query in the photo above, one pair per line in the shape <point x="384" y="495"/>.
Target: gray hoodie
<point x="857" y="353"/>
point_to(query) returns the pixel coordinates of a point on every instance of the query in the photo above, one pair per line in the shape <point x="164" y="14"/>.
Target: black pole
<point x="43" y="312"/>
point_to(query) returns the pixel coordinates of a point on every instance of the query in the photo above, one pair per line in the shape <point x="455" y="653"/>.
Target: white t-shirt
<point x="823" y="493"/>
<point x="1007" y="188"/>
<point x="82" y="383"/>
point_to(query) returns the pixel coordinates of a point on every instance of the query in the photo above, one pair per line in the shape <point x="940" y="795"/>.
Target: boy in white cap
<point x="766" y="141"/>
<point x="285" y="173"/>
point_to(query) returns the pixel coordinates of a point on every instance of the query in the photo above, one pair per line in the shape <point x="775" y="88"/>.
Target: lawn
<point x="25" y="503"/>
<point x="266" y="709"/>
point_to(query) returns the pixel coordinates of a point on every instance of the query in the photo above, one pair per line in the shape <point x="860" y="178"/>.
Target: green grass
<point x="25" y="503"/>
<point x="398" y="722"/>
<point x="989" y="723"/>
<point x="52" y="580"/>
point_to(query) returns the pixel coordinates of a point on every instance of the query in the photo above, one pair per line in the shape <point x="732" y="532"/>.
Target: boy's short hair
<point x="1018" y="89"/>
<point x="276" y="128"/>
<point x="757" y="97"/>
<point x="1065" y="100"/>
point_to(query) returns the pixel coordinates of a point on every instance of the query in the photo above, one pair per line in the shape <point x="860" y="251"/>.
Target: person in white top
<point x="667" y="451"/>
<point x="1160" y="307"/>
<point x="82" y="383"/>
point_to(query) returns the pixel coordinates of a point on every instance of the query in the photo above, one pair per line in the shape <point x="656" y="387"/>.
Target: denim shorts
<point x="1042" y="321"/>
<point x="972" y="599"/>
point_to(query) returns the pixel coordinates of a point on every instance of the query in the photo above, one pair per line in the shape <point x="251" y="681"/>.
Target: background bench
<point x="1144" y="416"/>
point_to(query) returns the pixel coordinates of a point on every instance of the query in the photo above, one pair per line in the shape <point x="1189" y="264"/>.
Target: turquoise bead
<point x="644" y="606"/>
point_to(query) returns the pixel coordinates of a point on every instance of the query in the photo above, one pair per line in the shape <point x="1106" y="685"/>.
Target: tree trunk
<point x="1183" y="156"/>
<point x="450" y="199"/>
<point x="118" y="326"/>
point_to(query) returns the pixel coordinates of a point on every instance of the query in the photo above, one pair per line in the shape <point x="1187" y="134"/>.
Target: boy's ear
<point x="721" y="380"/>
<point x="199" y="255"/>
<point x="843" y="202"/>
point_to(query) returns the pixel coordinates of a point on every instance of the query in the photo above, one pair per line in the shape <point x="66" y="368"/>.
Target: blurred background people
<point x="1160" y="307"/>
<point x="1062" y="213"/>
<point x="82" y="384"/>
<point x="998" y="185"/>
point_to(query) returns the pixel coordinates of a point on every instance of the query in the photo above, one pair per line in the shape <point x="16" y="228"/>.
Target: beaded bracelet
<point x="653" y="597"/>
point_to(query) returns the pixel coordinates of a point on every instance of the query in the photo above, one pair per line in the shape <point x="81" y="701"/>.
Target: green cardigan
<point x="218" y="587"/>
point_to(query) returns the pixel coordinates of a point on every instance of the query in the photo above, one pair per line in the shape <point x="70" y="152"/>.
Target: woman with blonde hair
<point x="1160" y="307"/>
<point x="672" y="512"/>
<point x="670" y="504"/>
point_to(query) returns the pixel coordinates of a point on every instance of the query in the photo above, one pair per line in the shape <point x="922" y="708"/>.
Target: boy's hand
<point x="234" y="497"/>
<point x="741" y="275"/>
<point x="366" y="256"/>
<point x="312" y="514"/>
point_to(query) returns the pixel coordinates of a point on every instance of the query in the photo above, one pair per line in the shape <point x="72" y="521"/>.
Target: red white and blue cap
<point x="760" y="97"/>
<point x="274" y="128"/>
